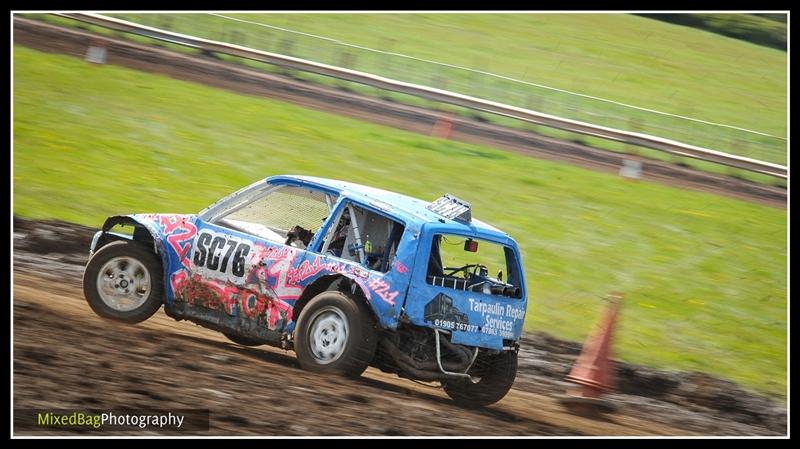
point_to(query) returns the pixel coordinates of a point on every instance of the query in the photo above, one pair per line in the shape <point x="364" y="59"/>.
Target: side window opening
<point x="485" y="267"/>
<point x="364" y="237"/>
<point x="288" y="214"/>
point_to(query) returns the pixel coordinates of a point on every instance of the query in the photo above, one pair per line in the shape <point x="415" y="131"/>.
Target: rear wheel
<point x="335" y="333"/>
<point x="244" y="341"/>
<point x="123" y="281"/>
<point x="497" y="374"/>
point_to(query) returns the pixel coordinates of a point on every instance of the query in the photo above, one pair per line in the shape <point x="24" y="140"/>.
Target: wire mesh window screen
<point x="284" y="208"/>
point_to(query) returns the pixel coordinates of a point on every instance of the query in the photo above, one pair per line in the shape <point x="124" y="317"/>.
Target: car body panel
<point x="474" y="318"/>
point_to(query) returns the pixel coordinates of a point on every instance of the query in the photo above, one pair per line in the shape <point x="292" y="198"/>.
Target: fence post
<point x="285" y="47"/>
<point x="635" y="125"/>
<point x="675" y="159"/>
<point x="437" y="82"/>
<point x="475" y="80"/>
<point x="739" y="149"/>
<point x="387" y="44"/>
<point x="534" y="103"/>
<point x="347" y="60"/>
<point x="239" y="38"/>
<point x="632" y="163"/>
<point x="265" y="39"/>
<point x="166" y="22"/>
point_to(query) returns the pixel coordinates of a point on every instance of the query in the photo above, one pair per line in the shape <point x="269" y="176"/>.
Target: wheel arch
<point x="142" y="233"/>
<point x="336" y="282"/>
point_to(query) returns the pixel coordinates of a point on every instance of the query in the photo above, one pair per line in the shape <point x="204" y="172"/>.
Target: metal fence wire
<point x="473" y="81"/>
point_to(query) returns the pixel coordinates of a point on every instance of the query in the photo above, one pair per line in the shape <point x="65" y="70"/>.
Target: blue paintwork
<point x="401" y="291"/>
<point x="483" y="321"/>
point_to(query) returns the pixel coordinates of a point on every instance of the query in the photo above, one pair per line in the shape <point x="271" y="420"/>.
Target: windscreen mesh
<point x="284" y="208"/>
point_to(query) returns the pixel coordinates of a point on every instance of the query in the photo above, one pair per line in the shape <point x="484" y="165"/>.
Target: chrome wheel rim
<point x="123" y="284"/>
<point x="328" y="334"/>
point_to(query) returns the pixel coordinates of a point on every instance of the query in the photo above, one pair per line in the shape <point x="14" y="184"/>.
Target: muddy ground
<point x="238" y="78"/>
<point x="64" y="356"/>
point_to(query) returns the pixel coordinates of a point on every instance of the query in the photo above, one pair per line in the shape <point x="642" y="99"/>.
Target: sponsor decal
<point x="400" y="267"/>
<point x="498" y="318"/>
<point x="382" y="289"/>
<point x="441" y="312"/>
<point x="179" y="234"/>
<point x="308" y="269"/>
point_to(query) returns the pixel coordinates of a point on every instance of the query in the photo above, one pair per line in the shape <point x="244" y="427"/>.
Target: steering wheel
<point x="454" y="270"/>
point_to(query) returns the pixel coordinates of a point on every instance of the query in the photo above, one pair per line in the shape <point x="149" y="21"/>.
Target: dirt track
<point x="238" y="78"/>
<point x="67" y="357"/>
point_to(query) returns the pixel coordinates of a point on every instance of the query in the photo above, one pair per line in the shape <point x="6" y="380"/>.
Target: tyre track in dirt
<point x="241" y="79"/>
<point x="67" y="357"/>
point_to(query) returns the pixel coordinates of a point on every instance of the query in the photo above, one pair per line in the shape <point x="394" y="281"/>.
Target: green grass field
<point x="621" y="57"/>
<point x="704" y="276"/>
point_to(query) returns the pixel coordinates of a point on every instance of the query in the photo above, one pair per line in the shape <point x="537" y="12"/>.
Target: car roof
<point x="401" y="206"/>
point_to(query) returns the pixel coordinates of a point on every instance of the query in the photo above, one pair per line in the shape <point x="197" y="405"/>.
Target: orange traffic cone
<point x="592" y="371"/>
<point x="443" y="128"/>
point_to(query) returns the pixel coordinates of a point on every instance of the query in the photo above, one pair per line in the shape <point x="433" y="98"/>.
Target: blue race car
<point x="347" y="276"/>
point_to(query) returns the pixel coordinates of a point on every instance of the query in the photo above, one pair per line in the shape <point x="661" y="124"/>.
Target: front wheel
<point x="497" y="374"/>
<point x="123" y="281"/>
<point x="335" y="334"/>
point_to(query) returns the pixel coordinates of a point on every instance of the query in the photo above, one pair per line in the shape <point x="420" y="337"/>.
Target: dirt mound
<point x="52" y="236"/>
<point x="553" y="358"/>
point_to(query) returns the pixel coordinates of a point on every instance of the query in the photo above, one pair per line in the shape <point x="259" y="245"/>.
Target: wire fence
<point x="476" y="82"/>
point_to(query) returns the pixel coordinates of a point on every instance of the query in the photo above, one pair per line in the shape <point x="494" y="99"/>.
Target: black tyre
<point x="335" y="334"/>
<point x="123" y="281"/>
<point x="497" y="374"/>
<point x="244" y="341"/>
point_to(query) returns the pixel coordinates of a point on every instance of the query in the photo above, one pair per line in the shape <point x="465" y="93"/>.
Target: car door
<point x="370" y="247"/>
<point x="242" y="260"/>
<point x="466" y="306"/>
